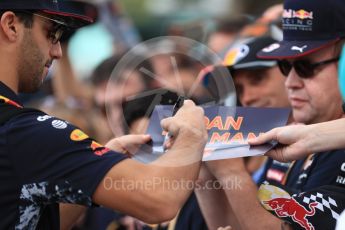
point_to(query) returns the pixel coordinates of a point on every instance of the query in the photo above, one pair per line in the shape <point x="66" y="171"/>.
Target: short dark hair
<point x="24" y="17"/>
<point x="103" y="71"/>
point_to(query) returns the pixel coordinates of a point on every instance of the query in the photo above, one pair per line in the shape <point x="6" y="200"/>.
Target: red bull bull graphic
<point x="289" y="207"/>
<point x="303" y="14"/>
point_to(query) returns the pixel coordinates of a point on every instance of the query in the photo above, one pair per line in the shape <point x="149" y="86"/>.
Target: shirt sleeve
<point x="56" y="161"/>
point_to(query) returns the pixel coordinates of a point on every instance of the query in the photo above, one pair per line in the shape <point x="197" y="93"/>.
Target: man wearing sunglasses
<point x="314" y="32"/>
<point x="45" y="161"/>
<point x="313" y="37"/>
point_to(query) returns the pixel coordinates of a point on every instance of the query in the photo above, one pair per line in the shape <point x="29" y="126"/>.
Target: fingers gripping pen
<point x="177" y="106"/>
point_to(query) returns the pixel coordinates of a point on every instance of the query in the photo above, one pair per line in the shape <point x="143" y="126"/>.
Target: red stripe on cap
<point x="82" y="17"/>
<point x="302" y="54"/>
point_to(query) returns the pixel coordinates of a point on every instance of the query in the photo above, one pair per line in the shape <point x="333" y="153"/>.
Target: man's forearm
<point x="241" y="193"/>
<point x="214" y="207"/>
<point x="243" y="200"/>
<point x="213" y="202"/>
<point x="327" y="135"/>
<point x="134" y="188"/>
<point x="180" y="167"/>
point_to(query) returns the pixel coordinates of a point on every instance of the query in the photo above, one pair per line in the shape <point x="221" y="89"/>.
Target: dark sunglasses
<point x="303" y="68"/>
<point x="56" y="31"/>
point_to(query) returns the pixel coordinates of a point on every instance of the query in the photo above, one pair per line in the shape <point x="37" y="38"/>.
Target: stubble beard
<point x="30" y="65"/>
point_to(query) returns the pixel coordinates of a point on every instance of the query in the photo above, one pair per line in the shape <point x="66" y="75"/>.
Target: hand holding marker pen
<point x="177" y="106"/>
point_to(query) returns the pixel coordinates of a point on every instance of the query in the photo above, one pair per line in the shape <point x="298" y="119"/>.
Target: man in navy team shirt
<point x="314" y="32"/>
<point x="45" y="161"/>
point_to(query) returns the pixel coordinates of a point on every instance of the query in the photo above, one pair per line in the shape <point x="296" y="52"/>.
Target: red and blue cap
<point x="62" y="9"/>
<point x="308" y="26"/>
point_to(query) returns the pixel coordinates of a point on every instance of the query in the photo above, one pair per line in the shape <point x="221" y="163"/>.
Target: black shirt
<point x="45" y="161"/>
<point x="305" y="186"/>
<point x="327" y="168"/>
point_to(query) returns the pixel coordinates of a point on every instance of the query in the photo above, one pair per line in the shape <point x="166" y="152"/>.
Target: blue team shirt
<point x="327" y="168"/>
<point x="311" y="174"/>
<point x="45" y="161"/>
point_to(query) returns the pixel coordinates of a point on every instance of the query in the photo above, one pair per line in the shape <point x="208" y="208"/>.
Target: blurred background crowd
<point x="86" y="89"/>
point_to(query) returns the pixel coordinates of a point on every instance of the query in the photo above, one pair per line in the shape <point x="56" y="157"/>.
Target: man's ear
<point x="9" y="25"/>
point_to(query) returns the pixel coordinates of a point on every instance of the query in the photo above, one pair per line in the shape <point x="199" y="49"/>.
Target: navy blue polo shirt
<point x="327" y="168"/>
<point x="309" y="175"/>
<point x="45" y="161"/>
<point x="190" y="216"/>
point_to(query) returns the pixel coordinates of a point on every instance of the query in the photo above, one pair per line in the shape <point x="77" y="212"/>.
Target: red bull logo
<point x="95" y="145"/>
<point x="289" y="207"/>
<point x="99" y="149"/>
<point x="301" y="14"/>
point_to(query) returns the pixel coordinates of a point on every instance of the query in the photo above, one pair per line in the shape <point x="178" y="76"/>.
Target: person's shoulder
<point x="336" y="151"/>
<point x="30" y="116"/>
<point x="330" y="162"/>
<point x="333" y="154"/>
<point x="38" y="124"/>
<point x="25" y="114"/>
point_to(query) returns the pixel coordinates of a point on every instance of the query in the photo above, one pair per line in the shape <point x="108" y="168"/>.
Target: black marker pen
<point x="177" y="106"/>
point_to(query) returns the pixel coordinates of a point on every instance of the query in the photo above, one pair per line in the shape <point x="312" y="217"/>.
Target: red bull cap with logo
<point x="308" y="26"/>
<point x="61" y="9"/>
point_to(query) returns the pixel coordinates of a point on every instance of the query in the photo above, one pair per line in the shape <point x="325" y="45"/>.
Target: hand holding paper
<point x="297" y="141"/>
<point x="229" y="129"/>
<point x="128" y="144"/>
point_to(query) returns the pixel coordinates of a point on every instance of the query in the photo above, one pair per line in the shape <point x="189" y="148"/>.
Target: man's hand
<point x="295" y="142"/>
<point x="180" y="163"/>
<point x="188" y="122"/>
<point x="128" y="144"/>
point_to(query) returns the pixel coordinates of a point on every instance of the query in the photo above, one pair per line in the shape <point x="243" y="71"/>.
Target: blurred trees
<point x="153" y="16"/>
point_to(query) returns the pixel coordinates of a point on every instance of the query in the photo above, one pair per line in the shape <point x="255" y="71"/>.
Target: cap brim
<point x="207" y="72"/>
<point x="293" y="49"/>
<point x="255" y="65"/>
<point x="73" y="20"/>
